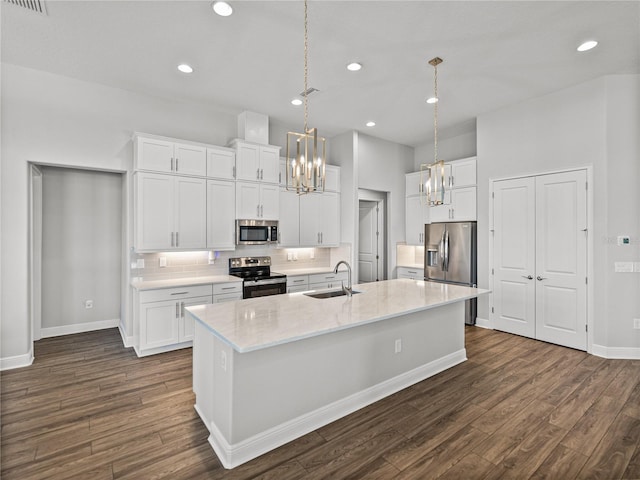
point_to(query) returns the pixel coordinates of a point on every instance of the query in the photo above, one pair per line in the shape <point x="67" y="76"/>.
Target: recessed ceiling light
<point x="222" y="8"/>
<point x="296" y="101"/>
<point x="371" y="124"/>
<point x="184" y="68"/>
<point x="587" y="46"/>
<point x="354" y="66"/>
<point x="432" y="100"/>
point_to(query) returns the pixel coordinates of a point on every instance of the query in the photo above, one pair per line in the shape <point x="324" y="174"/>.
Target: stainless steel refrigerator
<point x="450" y="257"/>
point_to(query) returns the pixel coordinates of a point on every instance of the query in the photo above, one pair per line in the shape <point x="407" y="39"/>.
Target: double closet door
<point x="540" y="257"/>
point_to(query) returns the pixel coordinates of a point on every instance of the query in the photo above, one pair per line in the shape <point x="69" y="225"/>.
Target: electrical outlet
<point x="636" y="323"/>
<point x="163" y="262"/>
<point x="88" y="304"/>
<point x="312" y="254"/>
<point x="141" y="263"/>
<point x="134" y="265"/>
<point x="398" y="346"/>
<point x="295" y="256"/>
<point x="289" y="256"/>
<point x="223" y="360"/>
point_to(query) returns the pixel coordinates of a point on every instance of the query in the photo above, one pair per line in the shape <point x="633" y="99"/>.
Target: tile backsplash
<point x="195" y="264"/>
<point x="409" y="255"/>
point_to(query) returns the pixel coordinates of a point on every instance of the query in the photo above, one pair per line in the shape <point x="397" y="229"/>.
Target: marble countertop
<point x="263" y="322"/>
<point x="181" y="282"/>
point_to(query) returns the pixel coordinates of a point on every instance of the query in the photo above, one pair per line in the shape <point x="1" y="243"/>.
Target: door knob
<point x="539" y="278"/>
<point x="528" y="277"/>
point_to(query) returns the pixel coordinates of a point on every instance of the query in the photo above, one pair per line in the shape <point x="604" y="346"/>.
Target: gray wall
<point x="452" y="148"/>
<point x="592" y="124"/>
<point x="81" y="246"/>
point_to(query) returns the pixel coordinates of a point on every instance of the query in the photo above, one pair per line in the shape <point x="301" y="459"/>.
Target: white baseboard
<point x="483" y="323"/>
<point x="625" y="353"/>
<point x="78" y="328"/>
<point x="18" y="361"/>
<point x="232" y="455"/>
<point x="166" y="348"/>
<point x="127" y="340"/>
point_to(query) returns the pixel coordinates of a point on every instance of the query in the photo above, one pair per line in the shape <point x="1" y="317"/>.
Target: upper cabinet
<point x="221" y="163"/>
<point x="157" y="154"/>
<point x="462" y="173"/>
<point x="257" y="163"/>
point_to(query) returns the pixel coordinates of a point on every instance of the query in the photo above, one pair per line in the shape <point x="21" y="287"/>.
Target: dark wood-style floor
<point x="88" y="408"/>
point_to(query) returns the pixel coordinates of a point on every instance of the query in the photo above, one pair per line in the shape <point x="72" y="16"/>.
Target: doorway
<point x="371" y="236"/>
<point x="540" y="254"/>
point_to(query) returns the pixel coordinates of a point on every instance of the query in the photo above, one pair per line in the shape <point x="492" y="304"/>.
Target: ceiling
<point x="496" y="53"/>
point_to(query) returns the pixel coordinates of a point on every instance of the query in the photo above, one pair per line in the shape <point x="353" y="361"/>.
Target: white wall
<point x="575" y="127"/>
<point x="452" y="148"/>
<point x="50" y="119"/>
<point x="81" y="246"/>
<point x="382" y="166"/>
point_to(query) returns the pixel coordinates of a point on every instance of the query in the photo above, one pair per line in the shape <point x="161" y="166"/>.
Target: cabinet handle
<point x="258" y="174"/>
<point x="411" y="271"/>
<point x="177" y="309"/>
<point x="258" y="210"/>
<point x="172" y="242"/>
<point x="228" y="288"/>
<point x="261" y="173"/>
<point x="179" y="293"/>
<point x="318" y="239"/>
<point x="182" y="309"/>
<point x="233" y="171"/>
<point x="177" y="239"/>
<point x="176" y="164"/>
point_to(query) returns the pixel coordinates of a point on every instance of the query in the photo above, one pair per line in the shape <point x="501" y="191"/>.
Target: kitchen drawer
<point x="297" y="288"/>
<point x="297" y="280"/>
<point x="227" y="297"/>
<point x="410" y="272"/>
<point x="328" y="277"/>
<point x="225" y="288"/>
<point x="163" y="294"/>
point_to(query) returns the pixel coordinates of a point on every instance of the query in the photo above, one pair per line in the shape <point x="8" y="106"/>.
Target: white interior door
<point x="561" y="259"/>
<point x="514" y="256"/>
<point x="367" y="243"/>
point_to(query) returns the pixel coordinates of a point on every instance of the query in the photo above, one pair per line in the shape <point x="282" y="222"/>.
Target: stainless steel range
<point x="257" y="276"/>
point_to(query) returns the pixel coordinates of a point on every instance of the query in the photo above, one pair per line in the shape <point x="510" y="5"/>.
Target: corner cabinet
<point x="170" y="212"/>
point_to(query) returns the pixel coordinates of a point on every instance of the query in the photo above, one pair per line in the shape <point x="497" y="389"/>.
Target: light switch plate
<point x="624" y="267"/>
<point x="163" y="262"/>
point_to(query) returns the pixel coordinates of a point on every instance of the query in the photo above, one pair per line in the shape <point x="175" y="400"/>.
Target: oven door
<point x="262" y="288"/>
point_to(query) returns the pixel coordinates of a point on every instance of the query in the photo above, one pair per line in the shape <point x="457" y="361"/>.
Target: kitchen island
<point x="271" y="369"/>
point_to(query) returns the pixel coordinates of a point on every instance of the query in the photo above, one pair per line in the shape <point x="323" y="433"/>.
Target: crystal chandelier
<point x="432" y="175"/>
<point x="305" y="152"/>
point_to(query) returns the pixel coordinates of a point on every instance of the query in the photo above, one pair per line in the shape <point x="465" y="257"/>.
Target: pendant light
<point x="305" y="152"/>
<point x="432" y="174"/>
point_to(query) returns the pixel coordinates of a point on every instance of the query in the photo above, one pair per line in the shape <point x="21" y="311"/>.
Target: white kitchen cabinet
<point x="412" y="184"/>
<point x="170" y="212"/>
<point x="411" y="273"/>
<point x="297" y="283"/>
<point x="320" y="219"/>
<point x="416" y="215"/>
<point x="463" y="173"/>
<point x="227" y="292"/>
<point x="258" y="163"/>
<point x="257" y="201"/>
<point x="164" y="324"/>
<point x="162" y="155"/>
<point x="319" y="281"/>
<point x="221" y="201"/>
<point x="460" y="206"/>
<point x="332" y="178"/>
<point x="221" y="163"/>
<point x="289" y="219"/>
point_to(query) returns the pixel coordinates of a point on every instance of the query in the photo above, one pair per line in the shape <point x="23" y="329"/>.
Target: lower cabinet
<point x="319" y="281"/>
<point x="411" y="273"/>
<point x="164" y="324"/>
<point x="297" y="283"/>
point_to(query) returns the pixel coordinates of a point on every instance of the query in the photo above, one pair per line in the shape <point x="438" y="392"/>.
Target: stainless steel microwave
<point x="256" y="232"/>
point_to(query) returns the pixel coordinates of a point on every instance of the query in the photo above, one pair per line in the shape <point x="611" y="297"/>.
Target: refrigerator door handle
<point x="441" y="251"/>
<point x="446" y="252"/>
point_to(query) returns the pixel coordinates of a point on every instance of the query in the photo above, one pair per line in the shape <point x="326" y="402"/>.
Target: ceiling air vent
<point x="309" y="91"/>
<point x="36" y="6"/>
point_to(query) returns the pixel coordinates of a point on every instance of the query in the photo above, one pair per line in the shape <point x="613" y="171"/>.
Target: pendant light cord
<point x="435" y="113"/>
<point x="306" y="69"/>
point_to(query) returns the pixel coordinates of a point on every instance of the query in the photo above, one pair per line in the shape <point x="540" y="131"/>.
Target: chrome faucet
<point x="348" y="289"/>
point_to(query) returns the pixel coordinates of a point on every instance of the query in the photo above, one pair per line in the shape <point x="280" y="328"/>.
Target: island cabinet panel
<point x="319" y="281"/>
<point x="297" y="283"/>
<point x="255" y="401"/>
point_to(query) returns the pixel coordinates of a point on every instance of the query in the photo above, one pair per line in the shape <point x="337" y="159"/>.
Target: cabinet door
<point x="186" y="320"/>
<point x="154" y="211"/>
<point x="269" y="201"/>
<point x="441" y="213"/>
<point x="191" y="212"/>
<point x="152" y="154"/>
<point x="330" y="219"/>
<point x="221" y="208"/>
<point x="221" y="163"/>
<point x="310" y="220"/>
<point x="269" y="164"/>
<point x="247" y="162"/>
<point x="332" y="179"/>
<point x="463" y="204"/>
<point x="247" y="200"/>
<point x="463" y="173"/>
<point x="289" y="219"/>
<point x="412" y="184"/>
<point x="414" y="221"/>
<point x="159" y="324"/>
<point x="190" y="159"/>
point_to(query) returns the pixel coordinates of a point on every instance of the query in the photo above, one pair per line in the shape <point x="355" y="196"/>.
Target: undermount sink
<point x="329" y="294"/>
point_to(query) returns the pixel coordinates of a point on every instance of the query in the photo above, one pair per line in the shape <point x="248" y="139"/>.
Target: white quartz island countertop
<point x="259" y="323"/>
